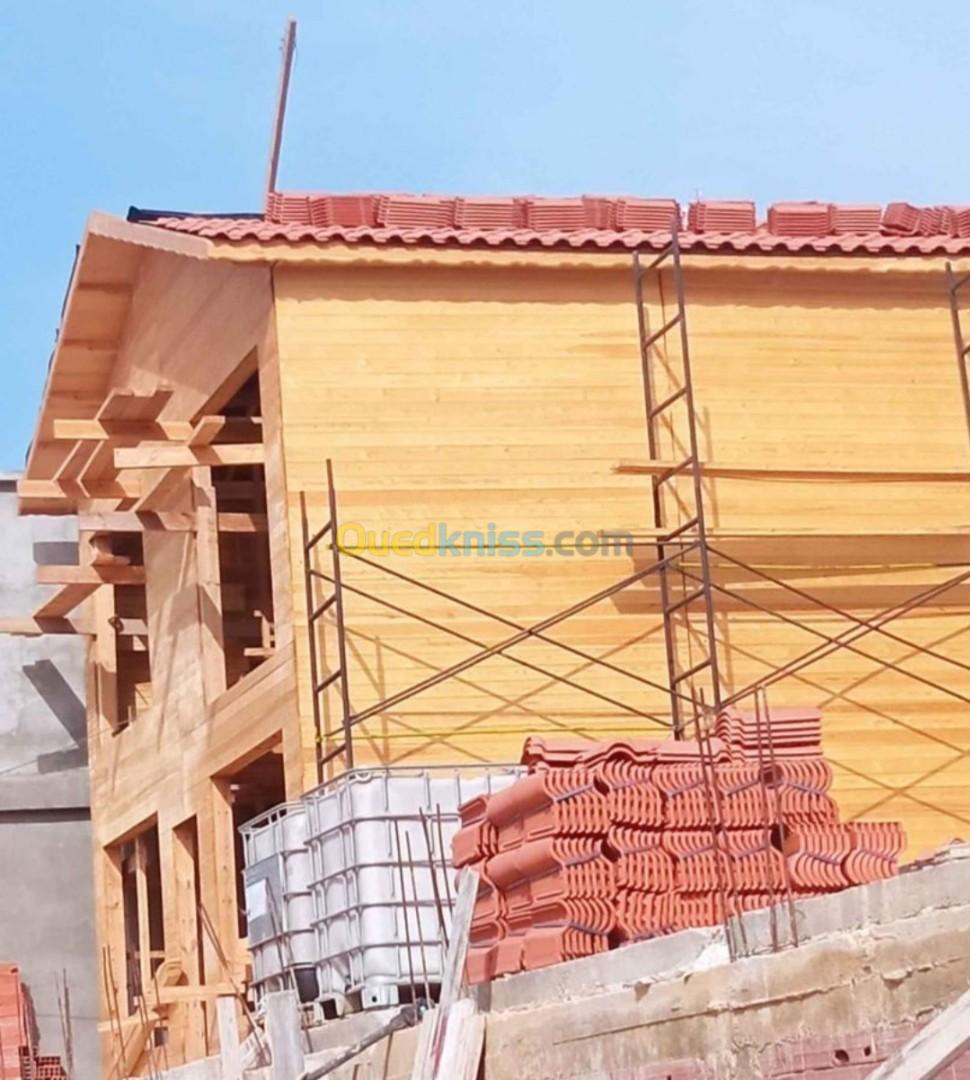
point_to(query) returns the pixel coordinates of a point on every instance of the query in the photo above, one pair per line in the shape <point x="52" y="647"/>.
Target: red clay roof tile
<point x="642" y="838"/>
<point x="584" y="222"/>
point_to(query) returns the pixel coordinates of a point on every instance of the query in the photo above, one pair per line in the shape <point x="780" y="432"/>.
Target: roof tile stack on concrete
<point x="605" y="843"/>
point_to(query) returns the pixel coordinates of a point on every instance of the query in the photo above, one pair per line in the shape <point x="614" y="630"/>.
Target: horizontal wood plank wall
<point x="454" y="400"/>
<point x="470" y="396"/>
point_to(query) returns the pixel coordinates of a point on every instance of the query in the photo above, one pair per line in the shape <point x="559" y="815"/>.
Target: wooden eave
<point x="90" y="334"/>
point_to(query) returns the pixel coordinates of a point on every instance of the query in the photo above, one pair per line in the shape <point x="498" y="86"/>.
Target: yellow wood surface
<point x="510" y="395"/>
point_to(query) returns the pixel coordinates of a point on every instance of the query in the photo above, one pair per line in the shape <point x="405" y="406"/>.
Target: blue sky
<point x="168" y="104"/>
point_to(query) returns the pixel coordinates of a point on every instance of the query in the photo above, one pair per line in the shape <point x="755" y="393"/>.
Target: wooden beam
<point x="136" y="521"/>
<point x="180" y="888"/>
<point x="226" y="429"/>
<point x="64" y="601"/>
<point x="144" y="918"/>
<point x="201" y="433"/>
<point x="129" y="405"/>
<point x="933" y="1048"/>
<point x="139" y="430"/>
<point x="32" y="626"/>
<point x="175" y="457"/>
<point x="718" y="470"/>
<point x="91" y="575"/>
<point x="209" y="585"/>
<point x="206" y="430"/>
<point x="75" y="462"/>
<point x="241" y="523"/>
<point x="128" y="627"/>
<point x="71" y="491"/>
<point x="161" y="488"/>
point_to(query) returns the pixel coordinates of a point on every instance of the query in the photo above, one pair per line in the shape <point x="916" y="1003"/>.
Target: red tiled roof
<point x="585" y="222"/>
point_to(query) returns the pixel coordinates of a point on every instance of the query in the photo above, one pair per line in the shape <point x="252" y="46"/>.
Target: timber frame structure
<point x="219" y="410"/>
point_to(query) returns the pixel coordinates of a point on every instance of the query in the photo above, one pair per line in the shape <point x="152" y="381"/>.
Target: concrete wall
<point x="46" y="901"/>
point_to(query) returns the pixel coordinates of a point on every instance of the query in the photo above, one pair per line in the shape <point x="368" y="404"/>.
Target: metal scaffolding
<point x="684" y="569"/>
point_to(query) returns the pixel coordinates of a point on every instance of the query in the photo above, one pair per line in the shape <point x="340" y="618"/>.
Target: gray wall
<point x="46" y="902"/>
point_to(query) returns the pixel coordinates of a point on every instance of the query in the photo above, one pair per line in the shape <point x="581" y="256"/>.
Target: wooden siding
<point x="467" y="396"/>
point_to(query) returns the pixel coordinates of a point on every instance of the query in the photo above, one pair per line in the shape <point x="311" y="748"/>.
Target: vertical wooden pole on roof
<point x="276" y="140"/>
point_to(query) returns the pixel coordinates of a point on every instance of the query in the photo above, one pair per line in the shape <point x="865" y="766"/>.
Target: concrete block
<point x="643" y="962"/>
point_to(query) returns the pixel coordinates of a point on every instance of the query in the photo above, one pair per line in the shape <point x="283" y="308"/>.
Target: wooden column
<point x="179" y="887"/>
<point x="144" y="917"/>
<point x="210" y="589"/>
<point x="218" y="887"/>
<point x="109" y="913"/>
<point x="103" y="653"/>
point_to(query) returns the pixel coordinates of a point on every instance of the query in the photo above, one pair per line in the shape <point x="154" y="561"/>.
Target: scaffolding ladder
<point x="690" y="644"/>
<point x="317" y="607"/>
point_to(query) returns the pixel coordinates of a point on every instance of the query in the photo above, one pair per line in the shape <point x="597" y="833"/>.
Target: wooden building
<point x="475" y="366"/>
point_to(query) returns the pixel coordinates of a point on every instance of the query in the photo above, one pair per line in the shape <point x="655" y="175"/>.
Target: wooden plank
<point x="285" y="1035"/>
<point x="717" y="470"/>
<point x="436" y="1054"/>
<point x="173" y="457"/>
<point x="199" y="433"/>
<point x="64" y="601"/>
<point x="180" y="995"/>
<point x="120" y="488"/>
<point x="161" y="489"/>
<point x="461" y="921"/>
<point x="31" y="626"/>
<point x="464" y="1038"/>
<point x="235" y="429"/>
<point x="945" y="1038"/>
<point x="72" y="430"/>
<point x="230" y="1051"/>
<point x="134" y="521"/>
<point x="123" y="404"/>
<point x="241" y="523"/>
<point x="90" y="575"/>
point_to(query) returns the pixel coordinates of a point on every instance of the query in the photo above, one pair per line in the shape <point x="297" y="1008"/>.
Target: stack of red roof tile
<point x="604" y="843"/>
<point x="801" y="218"/>
<point x="598" y="222"/>
<point x="722" y="216"/>
<point x="794" y="733"/>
